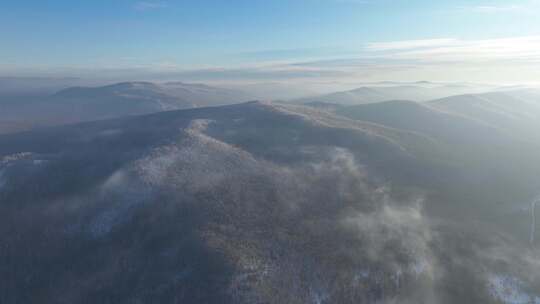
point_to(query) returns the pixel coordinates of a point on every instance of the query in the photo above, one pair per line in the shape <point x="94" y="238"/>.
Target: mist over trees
<point x="270" y="203"/>
<point x="270" y="152"/>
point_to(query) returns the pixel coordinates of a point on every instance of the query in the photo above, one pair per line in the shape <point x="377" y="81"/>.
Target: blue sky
<point x="268" y="38"/>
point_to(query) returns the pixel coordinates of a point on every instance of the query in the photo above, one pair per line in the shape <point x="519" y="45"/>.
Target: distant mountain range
<point x="36" y="107"/>
<point x="78" y="104"/>
<point x="393" y="202"/>
<point x="36" y="86"/>
<point x="385" y="91"/>
<point x="517" y="111"/>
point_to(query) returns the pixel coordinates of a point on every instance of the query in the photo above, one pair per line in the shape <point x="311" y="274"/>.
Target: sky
<point x="273" y="40"/>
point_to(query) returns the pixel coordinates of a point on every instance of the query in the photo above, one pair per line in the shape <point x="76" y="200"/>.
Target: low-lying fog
<point x="172" y="192"/>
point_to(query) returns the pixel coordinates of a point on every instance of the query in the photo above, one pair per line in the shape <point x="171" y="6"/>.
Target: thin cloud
<point x="511" y="59"/>
<point x="149" y="5"/>
<point x="409" y="44"/>
<point x="502" y="59"/>
<point x="492" y="8"/>
<point x="502" y="49"/>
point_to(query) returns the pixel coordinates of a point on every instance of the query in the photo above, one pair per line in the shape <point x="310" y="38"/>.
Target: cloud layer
<point x="501" y="60"/>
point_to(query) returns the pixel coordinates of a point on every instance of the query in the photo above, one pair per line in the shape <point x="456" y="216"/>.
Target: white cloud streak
<point x="498" y="60"/>
<point x="409" y="44"/>
<point x="522" y="49"/>
<point x="492" y="8"/>
<point x="522" y="6"/>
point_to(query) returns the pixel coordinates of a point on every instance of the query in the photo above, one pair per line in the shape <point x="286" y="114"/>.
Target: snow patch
<point x="509" y="290"/>
<point x="15" y="157"/>
<point x="24" y="157"/>
<point x="198" y="125"/>
<point x="114" y="181"/>
<point x="123" y="195"/>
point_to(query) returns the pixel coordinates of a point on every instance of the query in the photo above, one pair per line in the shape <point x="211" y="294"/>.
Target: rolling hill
<point x="266" y="203"/>
<point x="77" y="104"/>
<point x="516" y="111"/>
<point x="378" y="92"/>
